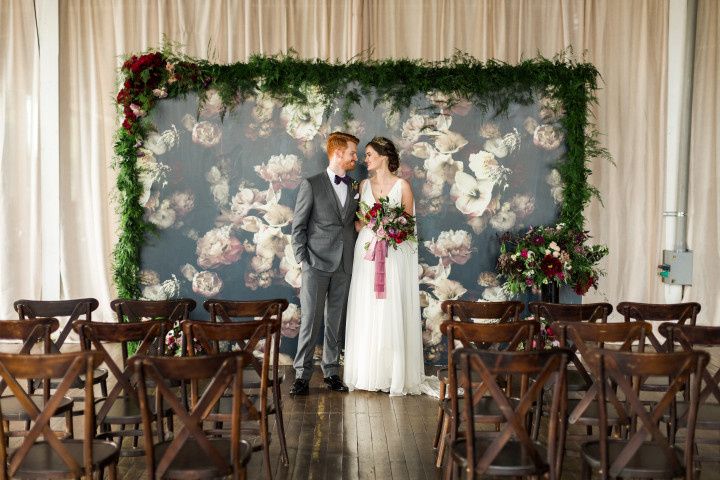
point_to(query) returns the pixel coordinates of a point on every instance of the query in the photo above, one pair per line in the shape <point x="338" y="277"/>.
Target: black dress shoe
<point x="300" y="387"/>
<point x="334" y="383"/>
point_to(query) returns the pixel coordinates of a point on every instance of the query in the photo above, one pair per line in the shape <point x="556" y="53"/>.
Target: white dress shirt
<point x="340" y="188"/>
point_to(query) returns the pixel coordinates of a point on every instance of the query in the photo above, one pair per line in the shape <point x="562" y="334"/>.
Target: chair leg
<point x="448" y="468"/>
<point x="443" y="442"/>
<point x="69" y="424"/>
<point x="266" y="446"/>
<point x="586" y="472"/>
<point x="280" y="422"/>
<point x="136" y="437"/>
<point x="112" y="472"/>
<point x="440" y="415"/>
<point x="103" y="388"/>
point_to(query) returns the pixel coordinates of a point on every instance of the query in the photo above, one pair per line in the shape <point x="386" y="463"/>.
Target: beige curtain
<point x="20" y="246"/>
<point x="609" y="33"/>
<point x="704" y="191"/>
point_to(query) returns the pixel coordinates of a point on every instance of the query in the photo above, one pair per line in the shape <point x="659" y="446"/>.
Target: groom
<point x="323" y="240"/>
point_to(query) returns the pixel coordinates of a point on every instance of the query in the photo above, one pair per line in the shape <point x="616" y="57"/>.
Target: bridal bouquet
<point x="391" y="226"/>
<point x="549" y="254"/>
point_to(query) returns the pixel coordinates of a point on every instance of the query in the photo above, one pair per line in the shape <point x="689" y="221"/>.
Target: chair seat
<point x="575" y="381"/>
<point x="486" y="409"/>
<point x="708" y="415"/>
<point x="192" y="462"/>
<point x="99" y="375"/>
<point x="648" y="461"/>
<point x="591" y="414"/>
<point x="42" y="461"/>
<point x="224" y="406"/>
<point x="513" y="459"/>
<point x="251" y="379"/>
<point x="126" y="410"/>
<point x="657" y="384"/>
<point x="13" y="411"/>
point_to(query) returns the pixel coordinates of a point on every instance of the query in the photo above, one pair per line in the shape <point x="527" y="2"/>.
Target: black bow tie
<point x="344" y="179"/>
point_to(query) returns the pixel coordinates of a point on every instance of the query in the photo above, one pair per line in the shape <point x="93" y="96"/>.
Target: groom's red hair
<point x="339" y="141"/>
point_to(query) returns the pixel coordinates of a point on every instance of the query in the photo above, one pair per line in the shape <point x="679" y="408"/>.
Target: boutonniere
<point x="354" y="185"/>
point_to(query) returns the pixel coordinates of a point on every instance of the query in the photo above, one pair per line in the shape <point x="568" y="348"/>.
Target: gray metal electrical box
<point x="677" y="267"/>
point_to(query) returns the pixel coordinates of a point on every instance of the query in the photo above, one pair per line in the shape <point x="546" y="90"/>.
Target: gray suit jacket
<point x="323" y="231"/>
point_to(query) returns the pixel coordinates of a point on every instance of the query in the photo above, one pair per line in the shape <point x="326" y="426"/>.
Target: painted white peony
<point x="164" y="216"/>
<point x="207" y="284"/>
<point x="290" y="324"/>
<point x="451" y="246"/>
<point x="282" y="171"/>
<point x="472" y="195"/>
<point x="207" y="134"/>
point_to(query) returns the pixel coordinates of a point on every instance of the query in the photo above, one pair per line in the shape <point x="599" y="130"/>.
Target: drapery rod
<point x="673" y="214"/>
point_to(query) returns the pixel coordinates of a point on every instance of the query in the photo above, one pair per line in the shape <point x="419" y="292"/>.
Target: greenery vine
<point x="146" y="78"/>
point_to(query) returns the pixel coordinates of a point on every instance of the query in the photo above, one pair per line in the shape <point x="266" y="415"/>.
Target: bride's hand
<point x="358" y="226"/>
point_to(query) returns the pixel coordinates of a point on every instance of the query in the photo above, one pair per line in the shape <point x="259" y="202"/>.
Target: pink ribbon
<point x="378" y="251"/>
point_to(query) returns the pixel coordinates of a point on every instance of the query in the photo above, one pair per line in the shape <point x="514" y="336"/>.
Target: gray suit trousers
<point x="319" y="289"/>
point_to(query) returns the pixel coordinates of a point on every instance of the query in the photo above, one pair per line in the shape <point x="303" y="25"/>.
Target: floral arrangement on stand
<point x="545" y="255"/>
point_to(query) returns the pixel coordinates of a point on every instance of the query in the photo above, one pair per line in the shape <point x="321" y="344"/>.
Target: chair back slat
<point x="682" y="313"/>
<point x="495" y="312"/>
<point x="228" y="310"/>
<point x="139" y="310"/>
<point x="585" y="312"/>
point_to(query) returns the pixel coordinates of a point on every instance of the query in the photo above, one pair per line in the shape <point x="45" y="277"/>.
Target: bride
<point x="383" y="339"/>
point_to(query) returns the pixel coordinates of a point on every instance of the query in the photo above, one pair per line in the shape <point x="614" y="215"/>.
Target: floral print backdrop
<point x="220" y="186"/>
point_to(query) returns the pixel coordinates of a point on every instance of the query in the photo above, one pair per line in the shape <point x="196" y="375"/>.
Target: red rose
<point x="127" y="125"/>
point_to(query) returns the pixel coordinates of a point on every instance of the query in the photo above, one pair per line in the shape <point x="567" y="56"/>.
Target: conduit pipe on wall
<point x="682" y="20"/>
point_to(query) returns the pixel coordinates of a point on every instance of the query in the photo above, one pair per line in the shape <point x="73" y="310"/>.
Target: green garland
<point x="157" y="74"/>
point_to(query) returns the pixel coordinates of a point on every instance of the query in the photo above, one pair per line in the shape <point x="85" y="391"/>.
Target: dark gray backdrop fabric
<point x="220" y="187"/>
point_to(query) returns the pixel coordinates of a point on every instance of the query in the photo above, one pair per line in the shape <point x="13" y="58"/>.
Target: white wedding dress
<point x="383" y="337"/>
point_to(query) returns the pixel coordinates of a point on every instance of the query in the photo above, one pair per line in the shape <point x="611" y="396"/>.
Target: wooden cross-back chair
<point x="133" y="311"/>
<point x="511" y="451"/>
<point x="272" y="309"/>
<point x="53" y="457"/>
<point x="121" y="406"/>
<point x="504" y="336"/>
<point x="688" y="338"/>
<point x="192" y="453"/>
<point x="469" y="312"/>
<point x="547" y="313"/>
<point x="581" y="338"/>
<point x="680" y="313"/>
<point x="30" y="332"/>
<point x="647" y="453"/>
<point x="69" y="311"/>
<point x="246" y="337"/>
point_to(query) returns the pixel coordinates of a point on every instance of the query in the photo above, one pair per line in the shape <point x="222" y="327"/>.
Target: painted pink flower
<point x="218" y="247"/>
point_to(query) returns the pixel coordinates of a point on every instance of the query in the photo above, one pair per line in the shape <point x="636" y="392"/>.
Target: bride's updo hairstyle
<point x="385" y="147"/>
